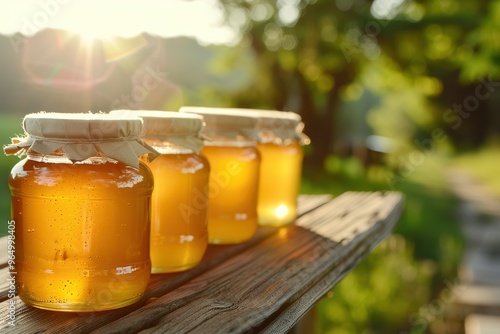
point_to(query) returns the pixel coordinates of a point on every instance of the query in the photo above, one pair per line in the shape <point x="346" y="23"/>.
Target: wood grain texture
<point x="266" y="284"/>
<point x="301" y="303"/>
<point x="307" y="203"/>
<point x="3" y="252"/>
<point x="4" y="284"/>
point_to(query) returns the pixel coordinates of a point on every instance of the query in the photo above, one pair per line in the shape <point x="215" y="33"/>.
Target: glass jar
<point x="80" y="202"/>
<point x="280" y="146"/>
<point x="179" y="235"/>
<point x="234" y="174"/>
<point x="280" y="141"/>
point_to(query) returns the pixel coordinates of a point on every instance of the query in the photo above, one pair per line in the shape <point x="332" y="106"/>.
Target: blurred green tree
<point x="307" y="53"/>
<point x="311" y="54"/>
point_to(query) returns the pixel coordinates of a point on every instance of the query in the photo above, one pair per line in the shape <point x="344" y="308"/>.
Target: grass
<point x="407" y="271"/>
<point x="10" y="126"/>
<point x="483" y="165"/>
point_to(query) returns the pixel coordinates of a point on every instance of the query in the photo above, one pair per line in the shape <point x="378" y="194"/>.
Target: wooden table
<point x="264" y="285"/>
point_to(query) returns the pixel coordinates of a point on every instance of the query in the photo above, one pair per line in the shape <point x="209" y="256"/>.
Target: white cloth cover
<point x="270" y="126"/>
<point x="181" y="129"/>
<point x="82" y="136"/>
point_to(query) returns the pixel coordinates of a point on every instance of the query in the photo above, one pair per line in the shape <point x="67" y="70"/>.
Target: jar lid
<point x="82" y="136"/>
<point x="272" y="126"/>
<point x="281" y="125"/>
<point x="181" y="129"/>
<point x="226" y="123"/>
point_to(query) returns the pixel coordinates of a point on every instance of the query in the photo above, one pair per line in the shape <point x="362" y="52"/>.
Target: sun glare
<point x="93" y="19"/>
<point x="281" y="211"/>
<point x="88" y="37"/>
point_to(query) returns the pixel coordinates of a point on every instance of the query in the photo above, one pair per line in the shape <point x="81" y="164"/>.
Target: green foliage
<point x="380" y="294"/>
<point x="482" y="46"/>
<point x="408" y="270"/>
<point x="326" y="60"/>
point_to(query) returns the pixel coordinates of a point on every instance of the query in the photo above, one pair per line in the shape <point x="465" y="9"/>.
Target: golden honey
<point x="234" y="174"/>
<point x="81" y="205"/>
<point x="179" y="207"/>
<point x="280" y="173"/>
<point x="233" y="190"/>
<point x="178" y="217"/>
<point x="279" y="142"/>
<point x="82" y="233"/>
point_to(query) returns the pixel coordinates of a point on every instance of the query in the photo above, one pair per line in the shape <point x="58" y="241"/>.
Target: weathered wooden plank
<point x="477" y="295"/>
<point x="339" y="208"/>
<point x="3" y="252"/>
<point x="30" y="319"/>
<point x="236" y="295"/>
<point x="345" y="204"/>
<point x="245" y="291"/>
<point x="307" y="203"/>
<point x="482" y="324"/>
<point x="4" y="284"/>
<point x="381" y="206"/>
<point x="287" y="317"/>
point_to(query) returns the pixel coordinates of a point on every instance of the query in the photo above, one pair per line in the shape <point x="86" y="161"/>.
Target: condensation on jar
<point x="81" y="203"/>
<point x="234" y="174"/>
<point x="179" y="234"/>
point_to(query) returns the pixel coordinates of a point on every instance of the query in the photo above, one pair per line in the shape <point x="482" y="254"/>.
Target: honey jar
<point x="279" y="141"/>
<point x="179" y="234"/>
<point x="81" y="206"/>
<point x="280" y="145"/>
<point x="234" y="174"/>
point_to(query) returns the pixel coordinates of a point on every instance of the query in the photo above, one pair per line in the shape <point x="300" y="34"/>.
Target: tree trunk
<point x="313" y="124"/>
<point x="320" y="120"/>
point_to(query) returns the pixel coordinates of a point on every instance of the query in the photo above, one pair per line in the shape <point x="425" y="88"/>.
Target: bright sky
<point x="202" y="19"/>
